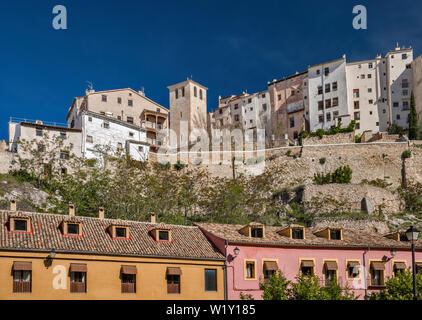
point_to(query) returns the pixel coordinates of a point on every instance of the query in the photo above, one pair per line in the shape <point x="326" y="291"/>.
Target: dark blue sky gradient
<point x="228" y="46"/>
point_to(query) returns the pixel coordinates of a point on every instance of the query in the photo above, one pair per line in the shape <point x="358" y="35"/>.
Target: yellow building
<point x="51" y="256"/>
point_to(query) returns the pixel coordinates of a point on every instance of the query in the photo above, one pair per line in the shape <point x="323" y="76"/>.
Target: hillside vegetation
<point x="178" y="194"/>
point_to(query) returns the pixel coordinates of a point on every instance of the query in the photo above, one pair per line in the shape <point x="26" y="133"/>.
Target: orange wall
<point x="103" y="277"/>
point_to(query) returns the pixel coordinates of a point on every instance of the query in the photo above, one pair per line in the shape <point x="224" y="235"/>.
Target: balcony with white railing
<point x="40" y="122"/>
<point x="295" y="106"/>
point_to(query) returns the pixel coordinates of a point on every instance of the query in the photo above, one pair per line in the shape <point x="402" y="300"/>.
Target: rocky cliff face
<point x="332" y="198"/>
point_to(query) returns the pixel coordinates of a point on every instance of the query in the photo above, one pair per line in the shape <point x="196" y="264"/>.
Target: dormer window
<point x="161" y="234"/>
<point x="293" y="232"/>
<point x="331" y="233"/>
<point x="119" y="232"/>
<point x="253" y="230"/>
<point x="20" y="224"/>
<point x="71" y="228"/>
<point x="398" y="236"/>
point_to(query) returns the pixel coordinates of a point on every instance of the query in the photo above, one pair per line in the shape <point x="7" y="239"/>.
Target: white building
<point x="365" y="95"/>
<point x="375" y="93"/>
<point x="399" y="85"/>
<point x="327" y="95"/>
<point x="245" y="111"/>
<point x="109" y="135"/>
<point x="379" y="90"/>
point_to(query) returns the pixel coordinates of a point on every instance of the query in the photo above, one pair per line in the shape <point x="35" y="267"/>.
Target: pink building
<point x="288" y="101"/>
<point x="362" y="260"/>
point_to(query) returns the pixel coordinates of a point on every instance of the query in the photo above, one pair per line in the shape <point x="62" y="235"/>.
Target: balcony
<point x="154" y="142"/>
<point x="152" y="125"/>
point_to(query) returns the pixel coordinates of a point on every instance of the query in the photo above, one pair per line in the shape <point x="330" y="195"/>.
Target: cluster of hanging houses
<point x="51" y="256"/>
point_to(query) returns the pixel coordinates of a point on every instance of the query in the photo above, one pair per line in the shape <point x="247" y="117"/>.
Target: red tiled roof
<point x="187" y="241"/>
<point x="351" y="238"/>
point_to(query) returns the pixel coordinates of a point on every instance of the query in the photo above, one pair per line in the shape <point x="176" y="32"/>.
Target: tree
<point x="44" y="157"/>
<point x="413" y="119"/>
<point x="276" y="287"/>
<point x="400" y="287"/>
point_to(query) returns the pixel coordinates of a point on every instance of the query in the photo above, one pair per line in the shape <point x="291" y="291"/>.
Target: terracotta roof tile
<point x="351" y="238"/>
<point x="188" y="241"/>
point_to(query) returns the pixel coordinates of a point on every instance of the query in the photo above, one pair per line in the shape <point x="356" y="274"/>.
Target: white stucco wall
<point x="337" y="73"/>
<point x="118" y="132"/>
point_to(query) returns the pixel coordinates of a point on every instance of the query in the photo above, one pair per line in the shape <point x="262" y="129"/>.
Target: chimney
<point x="152" y="218"/>
<point x="12" y="205"/>
<point x="71" y="210"/>
<point x="101" y="213"/>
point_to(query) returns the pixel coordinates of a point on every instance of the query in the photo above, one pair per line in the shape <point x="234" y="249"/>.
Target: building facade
<point x="104" y="134"/>
<point x="126" y="105"/>
<point x="363" y="261"/>
<point x="417" y="85"/>
<point x="288" y="96"/>
<point x="327" y="91"/>
<point x="247" y="112"/>
<point x="55" y="257"/>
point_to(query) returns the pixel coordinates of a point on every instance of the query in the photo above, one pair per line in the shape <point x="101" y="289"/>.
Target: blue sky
<point x="228" y="46"/>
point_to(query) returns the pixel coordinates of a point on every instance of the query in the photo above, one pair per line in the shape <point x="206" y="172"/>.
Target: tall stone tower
<point x="188" y="110"/>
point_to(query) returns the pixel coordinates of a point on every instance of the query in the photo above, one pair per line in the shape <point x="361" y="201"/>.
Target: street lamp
<point x="412" y="235"/>
<point x="236" y="251"/>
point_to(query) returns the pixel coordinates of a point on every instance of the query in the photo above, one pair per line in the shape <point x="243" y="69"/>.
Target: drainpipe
<point x="364" y="269"/>
<point x="225" y="272"/>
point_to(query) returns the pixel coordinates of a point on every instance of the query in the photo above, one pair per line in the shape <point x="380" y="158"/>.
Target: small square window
<point x="335" y="234"/>
<point x="63" y="135"/>
<point x="106" y="125"/>
<point x="119" y="100"/>
<point x="73" y="228"/>
<point x="257" y="232"/>
<point x="121" y="232"/>
<point x="20" y="225"/>
<point x="297" y="233"/>
<point x="38" y="132"/>
<point x="163" y="235"/>
<point x="104" y="98"/>
<point x="130" y="103"/>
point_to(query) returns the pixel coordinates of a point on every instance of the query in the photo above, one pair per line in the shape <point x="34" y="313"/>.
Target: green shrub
<point x="302" y="135"/>
<point x="358" y="139"/>
<point x="341" y="175"/>
<point x="322" y="160"/>
<point x="179" y="165"/>
<point x="406" y="154"/>
<point x="400" y="287"/>
<point x="163" y="165"/>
